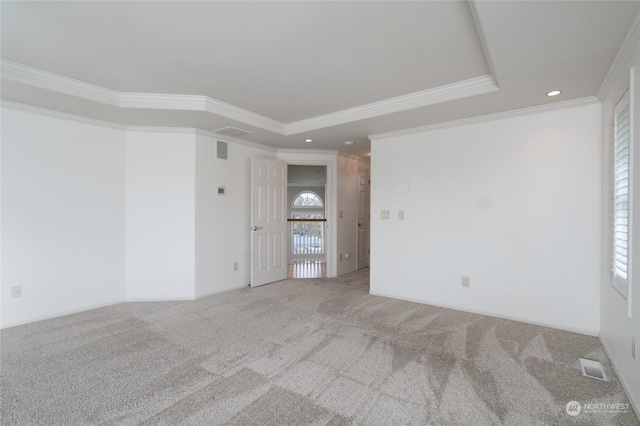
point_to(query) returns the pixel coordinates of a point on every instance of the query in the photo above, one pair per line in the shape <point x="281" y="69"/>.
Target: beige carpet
<point x="320" y="352"/>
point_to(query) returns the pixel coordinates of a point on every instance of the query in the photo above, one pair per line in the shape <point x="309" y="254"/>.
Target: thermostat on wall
<point x="221" y="190"/>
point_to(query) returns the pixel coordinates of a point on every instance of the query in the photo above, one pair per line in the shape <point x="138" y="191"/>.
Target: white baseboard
<point x="59" y="314"/>
<point x="158" y="299"/>
<point x="213" y="293"/>
<point x="623" y="380"/>
<point x="489" y="314"/>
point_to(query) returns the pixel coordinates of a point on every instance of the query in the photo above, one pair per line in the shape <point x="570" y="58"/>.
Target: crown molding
<point x="199" y="103"/>
<point x="217" y="107"/>
<point x="59" y="114"/>
<point x="616" y="76"/>
<point x="483" y="41"/>
<point x="449" y="92"/>
<point x="162" y="101"/>
<point x="57" y="83"/>
<point x="590" y="100"/>
<point x="46" y="80"/>
<point x="43" y="79"/>
<point x="127" y="128"/>
<point x="159" y="129"/>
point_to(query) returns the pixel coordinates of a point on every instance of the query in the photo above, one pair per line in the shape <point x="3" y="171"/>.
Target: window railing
<point x="307" y="240"/>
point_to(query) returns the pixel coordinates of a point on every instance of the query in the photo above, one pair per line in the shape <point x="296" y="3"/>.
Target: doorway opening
<point x="307" y="257"/>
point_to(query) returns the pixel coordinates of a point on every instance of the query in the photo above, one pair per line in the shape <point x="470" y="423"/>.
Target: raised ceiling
<point x="286" y="71"/>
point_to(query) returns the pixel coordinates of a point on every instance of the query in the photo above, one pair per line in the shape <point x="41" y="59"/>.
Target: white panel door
<point x="268" y="221"/>
<point x="363" y="219"/>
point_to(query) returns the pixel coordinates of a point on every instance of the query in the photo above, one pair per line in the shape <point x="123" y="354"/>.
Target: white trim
<point x="162" y="101"/>
<point x="615" y="73"/>
<point x="307" y="151"/>
<point x="60" y="314"/>
<point x="486" y="313"/>
<point x="47" y="80"/>
<point x="61" y="115"/>
<point x="215" y="292"/>
<point x="621" y="377"/>
<point x="215" y="106"/>
<point x="489" y="117"/>
<point x="159" y="299"/>
<point x="116" y="126"/>
<point x="449" y="92"/>
<point x="156" y="129"/>
<point x="38" y="78"/>
<point x="633" y="95"/>
<point x="199" y="103"/>
<point x="483" y="39"/>
<point x="306" y="185"/>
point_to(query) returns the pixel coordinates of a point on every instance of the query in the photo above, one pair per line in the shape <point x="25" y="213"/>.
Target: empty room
<point x="320" y="212"/>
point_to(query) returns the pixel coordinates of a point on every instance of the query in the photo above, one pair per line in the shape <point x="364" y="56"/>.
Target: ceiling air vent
<point x="232" y="131"/>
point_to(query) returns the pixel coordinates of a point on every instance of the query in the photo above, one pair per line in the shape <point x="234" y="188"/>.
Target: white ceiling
<point x="286" y="71"/>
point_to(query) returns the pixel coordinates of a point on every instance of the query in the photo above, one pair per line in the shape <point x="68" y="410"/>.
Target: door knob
<point x="255" y="228"/>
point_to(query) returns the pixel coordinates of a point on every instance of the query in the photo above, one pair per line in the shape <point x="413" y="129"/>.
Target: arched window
<point x="307" y="199"/>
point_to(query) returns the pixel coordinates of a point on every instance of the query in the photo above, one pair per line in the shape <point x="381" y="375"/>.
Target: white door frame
<point x="366" y="222"/>
<point x="330" y="160"/>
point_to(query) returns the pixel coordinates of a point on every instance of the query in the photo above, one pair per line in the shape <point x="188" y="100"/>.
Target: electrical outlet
<point x="16" y="291"/>
<point x="384" y="214"/>
<point x="401" y="214"/>
<point x="466" y="281"/>
<point x="235" y="266"/>
<point x="634" y="349"/>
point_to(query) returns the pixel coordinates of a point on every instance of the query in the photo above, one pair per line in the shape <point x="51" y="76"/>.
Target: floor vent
<point x="593" y="369"/>
<point x="232" y="131"/>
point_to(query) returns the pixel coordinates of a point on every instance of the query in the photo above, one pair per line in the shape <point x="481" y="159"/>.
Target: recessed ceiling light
<point x="349" y="143"/>
<point x="308" y="140"/>
<point x="554" y="93"/>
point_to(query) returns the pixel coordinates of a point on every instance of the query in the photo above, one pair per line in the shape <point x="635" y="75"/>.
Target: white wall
<point x="62" y="214"/>
<point x="348" y="194"/>
<point x="160" y="215"/>
<point x="223" y="221"/>
<point x="513" y="203"/>
<point x="316" y="175"/>
<point x="617" y="328"/>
